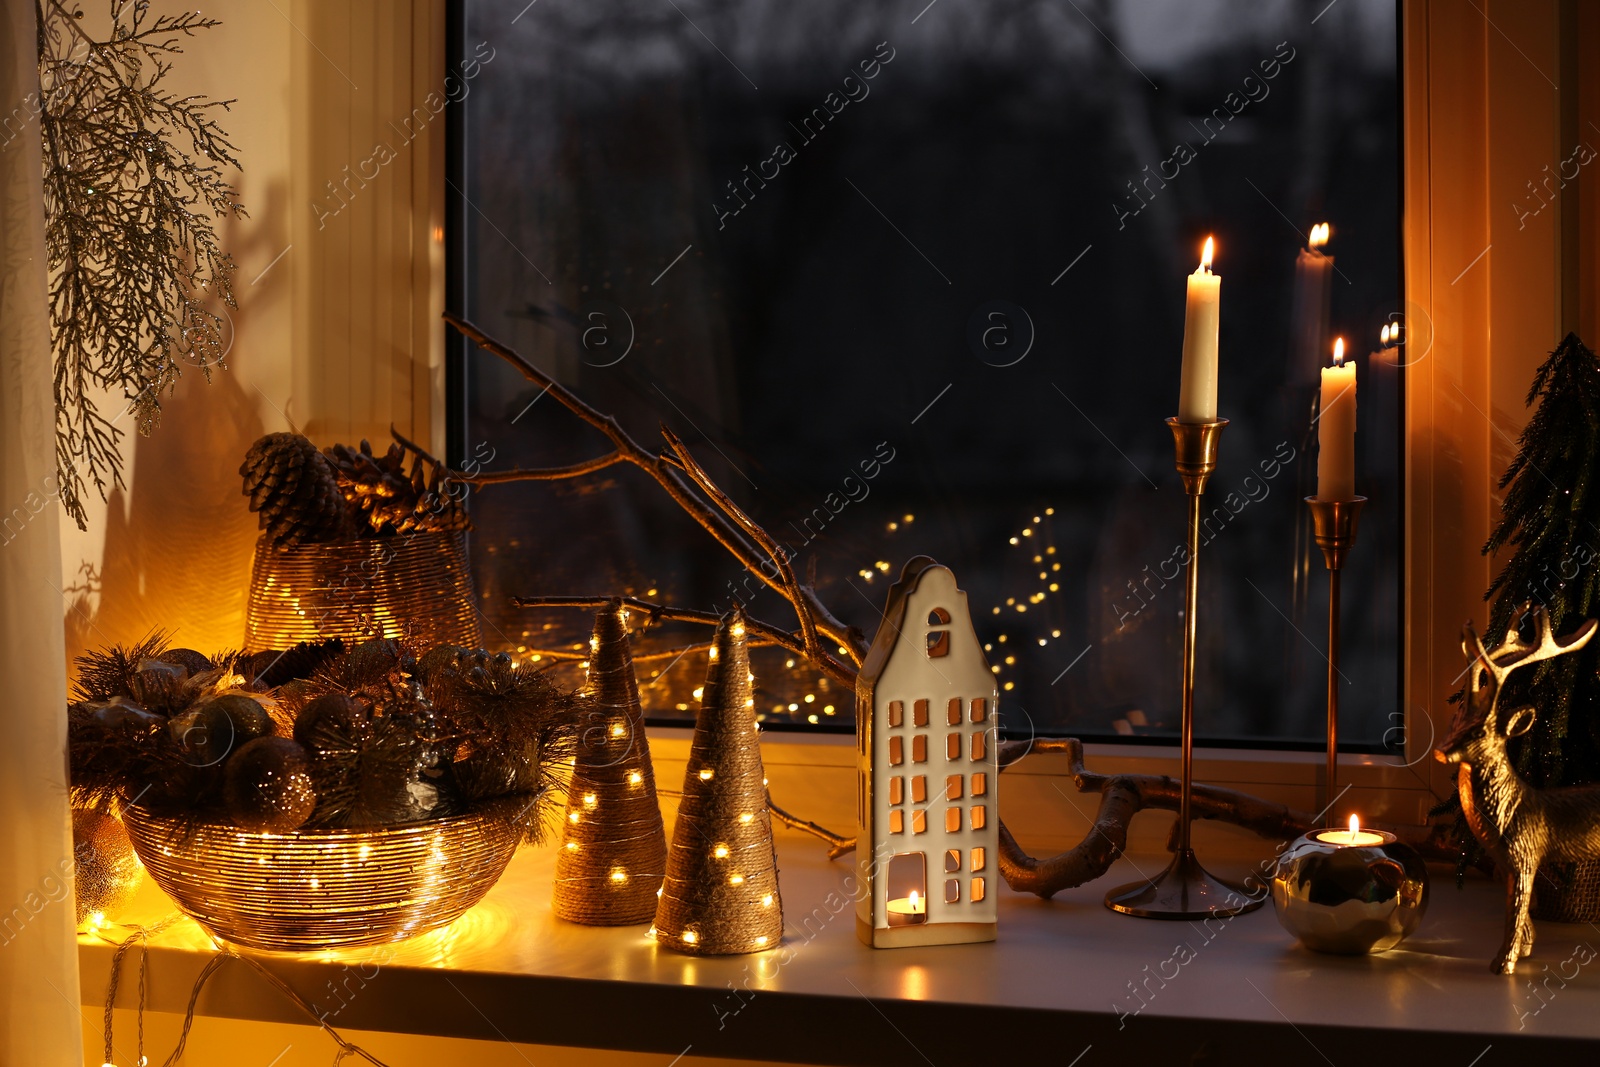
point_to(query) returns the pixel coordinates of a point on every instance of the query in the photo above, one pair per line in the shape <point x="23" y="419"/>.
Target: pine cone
<point x="293" y="487"/>
<point x="390" y="500"/>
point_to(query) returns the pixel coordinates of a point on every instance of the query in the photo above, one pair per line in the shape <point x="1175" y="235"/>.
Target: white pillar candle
<point x="1336" y="429"/>
<point x="1197" y="383"/>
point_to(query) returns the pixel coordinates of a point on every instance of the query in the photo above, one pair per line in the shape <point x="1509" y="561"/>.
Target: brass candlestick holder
<point x="1333" y="524"/>
<point x="1185" y="890"/>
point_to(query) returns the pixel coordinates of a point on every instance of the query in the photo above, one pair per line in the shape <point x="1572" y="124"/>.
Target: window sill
<point x="1061" y="977"/>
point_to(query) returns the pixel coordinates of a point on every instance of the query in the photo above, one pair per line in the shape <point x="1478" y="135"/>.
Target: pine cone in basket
<point x="293" y="487"/>
<point x="390" y="500"/>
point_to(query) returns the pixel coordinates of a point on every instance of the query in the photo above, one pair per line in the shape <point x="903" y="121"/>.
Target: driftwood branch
<point x="1122" y="795"/>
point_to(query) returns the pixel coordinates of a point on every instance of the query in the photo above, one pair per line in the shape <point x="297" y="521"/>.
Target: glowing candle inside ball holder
<point x="1353" y="836"/>
<point x="1350" y="891"/>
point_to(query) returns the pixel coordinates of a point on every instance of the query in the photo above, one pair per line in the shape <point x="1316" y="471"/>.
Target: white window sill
<point x="1060" y="978"/>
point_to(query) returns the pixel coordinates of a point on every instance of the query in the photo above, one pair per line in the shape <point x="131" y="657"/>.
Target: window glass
<point x="914" y="283"/>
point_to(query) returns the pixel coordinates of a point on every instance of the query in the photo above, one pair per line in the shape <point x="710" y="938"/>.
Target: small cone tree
<point x="721" y="891"/>
<point x="1550" y="518"/>
<point x="614" y="849"/>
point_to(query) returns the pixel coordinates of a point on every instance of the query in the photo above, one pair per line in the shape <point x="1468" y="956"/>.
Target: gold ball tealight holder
<point x="1186" y="890"/>
<point x="1350" y="892"/>
<point x="1333" y="524"/>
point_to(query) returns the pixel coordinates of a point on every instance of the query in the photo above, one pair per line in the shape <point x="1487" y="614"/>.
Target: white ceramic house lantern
<point x="927" y="770"/>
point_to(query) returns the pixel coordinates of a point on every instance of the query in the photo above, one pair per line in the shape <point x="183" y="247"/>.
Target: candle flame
<point x="1355" y="826"/>
<point x="1205" y="255"/>
<point x="1338" y="351"/>
<point x="1318" y="236"/>
<point x="1383" y="335"/>
<point x="914" y="898"/>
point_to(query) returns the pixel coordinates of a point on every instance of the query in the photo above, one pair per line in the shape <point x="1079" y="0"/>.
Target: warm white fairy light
<point x="619" y="875"/>
<point x="690" y="937"/>
<point x="617" y="729"/>
<point x="766" y="901"/>
<point x="762" y="940"/>
<point x="720" y="852"/>
<point x="572" y="846"/>
<point x="590" y="801"/>
<point x="746" y="818"/>
<point x="573" y="817"/>
<point x="706" y="774"/>
<point x="635" y="778"/>
<point x="736" y="879"/>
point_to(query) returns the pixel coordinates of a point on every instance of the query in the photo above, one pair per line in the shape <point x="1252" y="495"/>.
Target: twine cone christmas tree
<point x="721" y="892"/>
<point x="613" y="850"/>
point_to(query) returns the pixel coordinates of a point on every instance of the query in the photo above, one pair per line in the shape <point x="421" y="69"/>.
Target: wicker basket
<point x="323" y="889"/>
<point x="416" y="584"/>
<point x="1567" y="892"/>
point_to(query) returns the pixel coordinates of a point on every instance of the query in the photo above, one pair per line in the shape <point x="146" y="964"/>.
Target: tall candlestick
<point x="1197" y="385"/>
<point x="1336" y="429"/>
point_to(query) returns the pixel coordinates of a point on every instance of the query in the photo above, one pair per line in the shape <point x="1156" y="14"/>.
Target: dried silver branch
<point x="133" y="183"/>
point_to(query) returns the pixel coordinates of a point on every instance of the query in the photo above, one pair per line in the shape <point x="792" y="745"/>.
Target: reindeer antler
<point x="1513" y="652"/>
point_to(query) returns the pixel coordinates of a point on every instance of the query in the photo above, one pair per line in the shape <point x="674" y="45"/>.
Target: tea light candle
<point x="908" y="909"/>
<point x="1355" y="836"/>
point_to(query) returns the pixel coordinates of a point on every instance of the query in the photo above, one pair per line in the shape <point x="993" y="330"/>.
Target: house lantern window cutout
<point x="926" y="711"/>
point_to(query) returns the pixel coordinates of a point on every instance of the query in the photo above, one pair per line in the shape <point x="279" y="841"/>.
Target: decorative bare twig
<point x="133" y="179"/>
<point x="838" y="845"/>
<point x="764" y="633"/>
<point x="722" y="519"/>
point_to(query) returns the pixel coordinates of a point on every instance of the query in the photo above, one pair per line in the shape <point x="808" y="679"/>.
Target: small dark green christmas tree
<point x="1550" y="518"/>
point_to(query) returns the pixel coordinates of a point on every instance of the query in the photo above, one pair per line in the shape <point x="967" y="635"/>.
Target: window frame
<point x="1459" y="78"/>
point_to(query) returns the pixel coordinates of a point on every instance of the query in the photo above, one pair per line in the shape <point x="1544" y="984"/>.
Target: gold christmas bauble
<point x="106" y="871"/>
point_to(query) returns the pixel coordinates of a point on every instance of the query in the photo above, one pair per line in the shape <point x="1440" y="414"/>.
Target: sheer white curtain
<point x="39" y="1015"/>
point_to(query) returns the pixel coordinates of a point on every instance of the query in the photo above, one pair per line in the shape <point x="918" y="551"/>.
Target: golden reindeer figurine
<point x="1520" y="826"/>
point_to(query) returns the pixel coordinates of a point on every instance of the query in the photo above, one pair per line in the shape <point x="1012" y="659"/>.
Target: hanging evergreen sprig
<point x="133" y="183"/>
<point x="1550" y="519"/>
